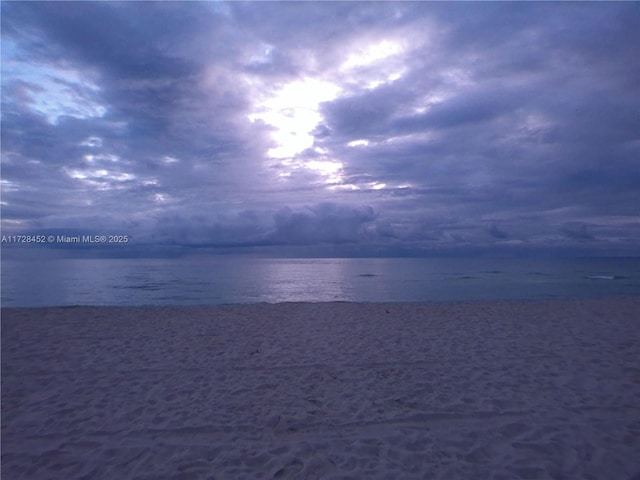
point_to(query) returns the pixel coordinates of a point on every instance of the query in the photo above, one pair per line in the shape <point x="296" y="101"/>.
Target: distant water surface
<point x="240" y="279"/>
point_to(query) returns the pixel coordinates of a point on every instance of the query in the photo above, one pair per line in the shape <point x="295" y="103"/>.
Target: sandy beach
<point x="506" y="390"/>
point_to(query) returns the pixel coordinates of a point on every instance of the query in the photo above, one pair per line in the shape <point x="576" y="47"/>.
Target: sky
<point x="323" y="128"/>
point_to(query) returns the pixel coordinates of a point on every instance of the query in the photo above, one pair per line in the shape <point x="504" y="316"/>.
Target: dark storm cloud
<point x="496" y="232"/>
<point x="450" y="126"/>
<point x="470" y="108"/>
<point x="123" y="39"/>
<point x="577" y="231"/>
<point x="322" y="223"/>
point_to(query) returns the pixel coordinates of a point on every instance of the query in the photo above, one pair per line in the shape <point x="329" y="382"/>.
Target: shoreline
<point x="481" y="389"/>
<point x="472" y="301"/>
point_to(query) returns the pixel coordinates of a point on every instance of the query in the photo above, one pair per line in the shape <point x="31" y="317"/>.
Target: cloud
<point x="322" y="223"/>
<point x="496" y="232"/>
<point x="576" y="231"/>
<point x="439" y="126"/>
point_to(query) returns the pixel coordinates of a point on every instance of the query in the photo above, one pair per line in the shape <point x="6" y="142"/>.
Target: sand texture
<point x="508" y="390"/>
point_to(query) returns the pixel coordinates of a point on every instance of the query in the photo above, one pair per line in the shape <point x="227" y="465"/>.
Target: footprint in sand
<point x="293" y="467"/>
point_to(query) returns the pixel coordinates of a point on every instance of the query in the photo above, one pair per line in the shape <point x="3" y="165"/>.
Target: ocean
<point x="244" y="279"/>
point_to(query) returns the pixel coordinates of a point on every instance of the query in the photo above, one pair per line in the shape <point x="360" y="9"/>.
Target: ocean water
<point x="243" y="279"/>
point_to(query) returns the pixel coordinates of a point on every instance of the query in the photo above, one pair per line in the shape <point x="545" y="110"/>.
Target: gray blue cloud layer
<point x="338" y="128"/>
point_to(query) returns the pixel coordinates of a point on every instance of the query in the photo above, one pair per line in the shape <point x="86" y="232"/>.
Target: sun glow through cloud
<point x="458" y="126"/>
<point x="371" y="54"/>
<point x="358" y="143"/>
<point x="327" y="168"/>
<point x="293" y="111"/>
